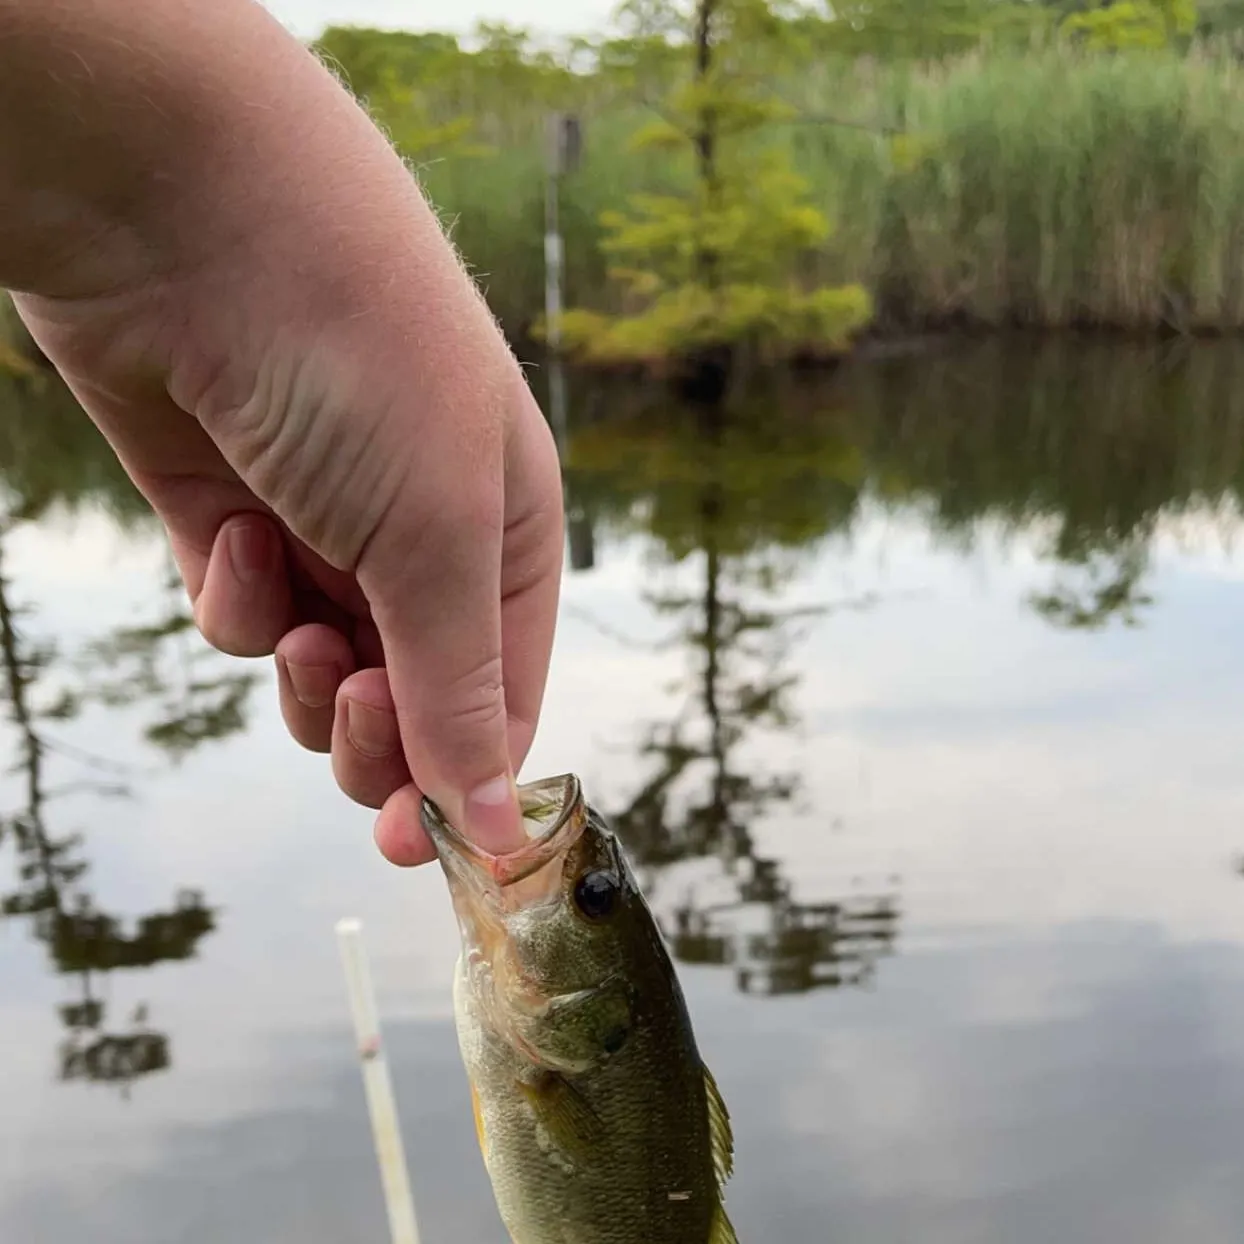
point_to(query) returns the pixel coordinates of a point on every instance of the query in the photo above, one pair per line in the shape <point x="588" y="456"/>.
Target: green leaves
<point x="719" y="262"/>
<point x="1132" y="24"/>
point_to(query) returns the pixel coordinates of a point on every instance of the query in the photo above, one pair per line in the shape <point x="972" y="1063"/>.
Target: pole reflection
<point x="743" y="516"/>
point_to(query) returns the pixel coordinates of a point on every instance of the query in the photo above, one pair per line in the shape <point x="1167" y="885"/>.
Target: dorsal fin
<point x="721" y="1232"/>
<point x="722" y="1139"/>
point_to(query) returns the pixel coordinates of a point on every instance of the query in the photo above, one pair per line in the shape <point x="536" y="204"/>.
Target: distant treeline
<point x="981" y="162"/>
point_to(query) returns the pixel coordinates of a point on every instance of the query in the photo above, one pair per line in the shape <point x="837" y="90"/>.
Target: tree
<point x="912" y="29"/>
<point x="1132" y="24"/>
<point x="712" y="265"/>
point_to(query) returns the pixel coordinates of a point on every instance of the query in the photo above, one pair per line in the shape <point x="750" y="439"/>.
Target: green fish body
<point x="597" y="1120"/>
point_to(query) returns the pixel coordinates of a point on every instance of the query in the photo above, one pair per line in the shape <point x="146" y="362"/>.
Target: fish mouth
<point x="554" y="818"/>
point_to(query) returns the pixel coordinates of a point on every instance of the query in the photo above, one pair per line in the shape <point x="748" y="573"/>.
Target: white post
<point x="554" y="262"/>
<point x="553" y="250"/>
<point x="399" y="1201"/>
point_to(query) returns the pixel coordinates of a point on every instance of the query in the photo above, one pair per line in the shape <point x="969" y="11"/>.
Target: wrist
<point x="138" y="137"/>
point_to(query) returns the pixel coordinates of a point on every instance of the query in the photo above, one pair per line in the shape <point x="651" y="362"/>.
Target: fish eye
<point x="596" y="894"/>
<point x="615" y="1039"/>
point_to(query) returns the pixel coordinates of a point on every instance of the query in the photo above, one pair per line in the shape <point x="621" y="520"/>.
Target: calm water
<point x="918" y="699"/>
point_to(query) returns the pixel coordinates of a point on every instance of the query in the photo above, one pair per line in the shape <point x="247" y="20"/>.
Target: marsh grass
<point x="1049" y="188"/>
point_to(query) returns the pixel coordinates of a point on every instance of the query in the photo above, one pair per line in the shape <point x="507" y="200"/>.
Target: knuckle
<point x="452" y="518"/>
<point x="533" y="552"/>
<point x="283" y="430"/>
<point x="474" y="702"/>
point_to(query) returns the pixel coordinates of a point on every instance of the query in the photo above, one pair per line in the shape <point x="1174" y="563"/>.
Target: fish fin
<point x="478" y="1113"/>
<point x="720" y="1133"/>
<point x="572" y="1124"/>
<point x="722" y="1230"/>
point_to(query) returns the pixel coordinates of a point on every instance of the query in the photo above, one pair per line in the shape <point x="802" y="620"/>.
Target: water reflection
<point x="744" y="497"/>
<point x="54" y="458"/>
<point x="1059" y="439"/>
<point x="1056" y="1042"/>
<point x="1090" y="444"/>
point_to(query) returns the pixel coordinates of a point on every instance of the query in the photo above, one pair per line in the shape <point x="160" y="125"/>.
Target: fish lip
<point x="500" y="871"/>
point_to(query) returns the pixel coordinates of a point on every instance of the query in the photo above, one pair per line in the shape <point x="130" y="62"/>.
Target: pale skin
<point x="245" y="289"/>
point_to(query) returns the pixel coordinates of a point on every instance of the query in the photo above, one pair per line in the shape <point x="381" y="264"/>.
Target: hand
<point x="243" y="286"/>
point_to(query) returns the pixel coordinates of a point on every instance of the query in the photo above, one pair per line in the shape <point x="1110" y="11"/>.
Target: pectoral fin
<point x="720" y="1132"/>
<point x="574" y="1127"/>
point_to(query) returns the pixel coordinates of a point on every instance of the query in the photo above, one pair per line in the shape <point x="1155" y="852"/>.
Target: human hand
<point x="244" y="288"/>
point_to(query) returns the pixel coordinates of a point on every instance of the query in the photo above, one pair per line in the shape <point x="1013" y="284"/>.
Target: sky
<point x="306" y="18"/>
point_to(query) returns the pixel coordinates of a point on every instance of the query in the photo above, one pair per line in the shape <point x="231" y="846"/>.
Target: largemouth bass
<point x="597" y="1120"/>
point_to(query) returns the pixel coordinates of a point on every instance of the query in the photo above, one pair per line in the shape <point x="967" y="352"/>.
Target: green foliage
<point x="990" y="175"/>
<point x="406" y="116"/>
<point x="15" y="346"/>
<point x="367" y="60"/>
<point x="435" y="97"/>
<point x="391" y="72"/>
<point x="715" y="262"/>
<point x="1133" y="24"/>
<point x="908" y="29"/>
<point x="1220" y="18"/>
<point x="52" y="456"/>
<point x="692" y="317"/>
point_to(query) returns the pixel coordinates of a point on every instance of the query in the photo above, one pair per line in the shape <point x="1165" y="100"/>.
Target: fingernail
<point x="313" y="685"/>
<point x="492" y="815"/>
<point x="252" y="550"/>
<point x="372" y="730"/>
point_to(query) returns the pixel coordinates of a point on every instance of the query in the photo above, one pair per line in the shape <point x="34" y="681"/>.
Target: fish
<point x="596" y="1117"/>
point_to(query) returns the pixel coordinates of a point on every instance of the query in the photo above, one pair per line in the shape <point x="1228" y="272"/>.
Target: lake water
<point x="917" y="696"/>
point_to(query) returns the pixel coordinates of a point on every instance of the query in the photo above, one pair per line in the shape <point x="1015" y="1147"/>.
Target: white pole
<point x="554" y="259"/>
<point x="399" y="1201"/>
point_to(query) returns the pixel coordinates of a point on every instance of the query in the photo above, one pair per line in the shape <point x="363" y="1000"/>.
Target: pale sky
<point x="306" y="18"/>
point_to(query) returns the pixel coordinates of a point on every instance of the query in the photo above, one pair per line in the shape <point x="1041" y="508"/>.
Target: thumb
<point x="437" y="607"/>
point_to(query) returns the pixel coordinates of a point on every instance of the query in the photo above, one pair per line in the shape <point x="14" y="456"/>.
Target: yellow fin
<point x="572" y="1124"/>
<point x="479" y="1120"/>
<point x="721" y="1232"/>
<point x="722" y="1141"/>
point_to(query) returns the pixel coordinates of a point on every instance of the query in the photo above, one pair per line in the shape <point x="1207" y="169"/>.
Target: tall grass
<point x="1048" y="187"/>
<point x="1051" y="188"/>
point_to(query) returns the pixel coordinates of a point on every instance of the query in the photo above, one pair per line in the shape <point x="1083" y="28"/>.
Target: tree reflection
<point x="1083" y="448"/>
<point x="55" y="459"/>
<point x="1086" y="451"/>
<point x="741" y="500"/>
<point x="1109" y="588"/>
